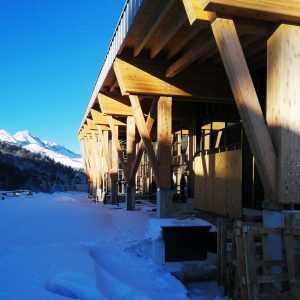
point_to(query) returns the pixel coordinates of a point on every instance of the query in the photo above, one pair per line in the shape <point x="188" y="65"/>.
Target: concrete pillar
<point x="114" y="193"/>
<point x="99" y="195"/>
<point x="164" y="199"/>
<point x="130" y="197"/>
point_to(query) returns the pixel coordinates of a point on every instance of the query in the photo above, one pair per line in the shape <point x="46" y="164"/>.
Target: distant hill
<point x="52" y="150"/>
<point x="21" y="168"/>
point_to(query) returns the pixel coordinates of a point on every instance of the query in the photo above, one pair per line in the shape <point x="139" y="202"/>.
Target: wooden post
<point x="131" y="153"/>
<point x="164" y="136"/>
<point x="141" y="147"/>
<point x="145" y="134"/>
<point x="114" y="170"/>
<point x="283" y="108"/>
<point x="247" y="102"/>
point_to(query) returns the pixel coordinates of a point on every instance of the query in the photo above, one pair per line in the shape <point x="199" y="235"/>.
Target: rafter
<point x="168" y="35"/>
<point x="149" y="31"/>
<point x="199" y="48"/>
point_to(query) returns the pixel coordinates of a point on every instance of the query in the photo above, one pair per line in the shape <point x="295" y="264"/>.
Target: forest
<point x="22" y="169"/>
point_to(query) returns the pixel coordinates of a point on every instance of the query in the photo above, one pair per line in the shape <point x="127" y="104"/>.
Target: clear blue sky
<point x="51" y="52"/>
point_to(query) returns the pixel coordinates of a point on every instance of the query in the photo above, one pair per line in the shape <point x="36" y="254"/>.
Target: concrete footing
<point x="164" y="198"/>
<point x="99" y="195"/>
<point x="130" y="197"/>
<point x="114" y="193"/>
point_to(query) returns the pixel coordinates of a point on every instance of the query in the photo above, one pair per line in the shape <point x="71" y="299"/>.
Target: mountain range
<point x="52" y="150"/>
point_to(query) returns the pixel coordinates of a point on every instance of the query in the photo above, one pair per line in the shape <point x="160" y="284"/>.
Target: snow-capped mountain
<point x="31" y="143"/>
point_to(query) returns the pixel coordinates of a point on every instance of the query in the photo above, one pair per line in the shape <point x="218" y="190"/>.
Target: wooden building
<point x="199" y="98"/>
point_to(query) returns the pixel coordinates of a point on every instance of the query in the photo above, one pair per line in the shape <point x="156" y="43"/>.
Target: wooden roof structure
<point x="193" y="51"/>
<point x="170" y="43"/>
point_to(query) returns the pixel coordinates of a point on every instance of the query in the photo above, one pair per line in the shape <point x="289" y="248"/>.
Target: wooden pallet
<point x="292" y="248"/>
<point x="257" y="275"/>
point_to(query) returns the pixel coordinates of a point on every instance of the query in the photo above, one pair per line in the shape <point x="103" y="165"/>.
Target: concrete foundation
<point x="114" y="193"/>
<point x="99" y="195"/>
<point x="130" y="197"/>
<point x="164" y="199"/>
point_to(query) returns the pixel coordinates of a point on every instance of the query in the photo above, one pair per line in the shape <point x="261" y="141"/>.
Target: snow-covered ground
<point x="63" y="246"/>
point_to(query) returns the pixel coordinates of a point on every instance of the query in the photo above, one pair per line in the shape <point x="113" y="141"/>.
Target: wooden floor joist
<point x="247" y="102"/>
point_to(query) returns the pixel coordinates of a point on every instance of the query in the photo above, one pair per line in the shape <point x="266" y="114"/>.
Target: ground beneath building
<point x="64" y="246"/>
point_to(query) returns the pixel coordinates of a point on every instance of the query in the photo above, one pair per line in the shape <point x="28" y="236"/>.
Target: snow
<point x="6" y="137"/>
<point x="62" y="246"/>
<point x="50" y="149"/>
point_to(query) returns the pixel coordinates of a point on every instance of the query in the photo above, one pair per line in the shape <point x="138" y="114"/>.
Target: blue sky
<point x="51" y="52"/>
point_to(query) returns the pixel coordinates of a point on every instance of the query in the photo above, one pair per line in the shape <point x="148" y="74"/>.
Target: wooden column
<point x="131" y="153"/>
<point x="283" y="108"/>
<point x="130" y="142"/>
<point x="145" y="134"/>
<point x="247" y="102"/>
<point x="141" y="147"/>
<point x="107" y="160"/>
<point x="114" y="169"/>
<point x="191" y="152"/>
<point x="164" y="136"/>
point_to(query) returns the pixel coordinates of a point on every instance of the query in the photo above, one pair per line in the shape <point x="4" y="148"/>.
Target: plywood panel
<point x="218" y="183"/>
<point x="220" y="178"/>
<point x="199" y="191"/>
<point x="233" y="166"/>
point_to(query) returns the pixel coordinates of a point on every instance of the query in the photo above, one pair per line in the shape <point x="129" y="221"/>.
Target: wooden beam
<point x="283" y="107"/>
<point x="100" y="119"/>
<point x="199" y="48"/>
<point x="145" y="135"/>
<point x="91" y="125"/>
<point x="149" y="31"/>
<point x="130" y="142"/>
<point x="115" y="139"/>
<point x="164" y="135"/>
<point x="114" y="104"/>
<point x="147" y="77"/>
<point x="104" y="141"/>
<point x="114" y="85"/>
<point x="168" y="35"/>
<point x="195" y="12"/>
<point x="272" y="10"/>
<point x="187" y="37"/>
<point x="247" y="103"/>
<point x="141" y="147"/>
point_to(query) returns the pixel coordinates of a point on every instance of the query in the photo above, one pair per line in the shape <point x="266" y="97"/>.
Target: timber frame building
<point x="201" y="99"/>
